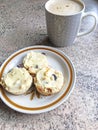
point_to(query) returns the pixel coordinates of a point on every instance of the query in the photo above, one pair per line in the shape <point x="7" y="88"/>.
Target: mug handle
<point x="94" y="25"/>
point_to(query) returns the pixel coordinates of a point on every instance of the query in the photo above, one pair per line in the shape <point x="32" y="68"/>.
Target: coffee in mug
<point x="63" y="18"/>
<point x="64" y="7"/>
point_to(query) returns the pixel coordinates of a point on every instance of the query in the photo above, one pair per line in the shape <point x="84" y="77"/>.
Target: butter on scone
<point x="34" y="61"/>
<point x="17" y="81"/>
<point x="48" y="81"/>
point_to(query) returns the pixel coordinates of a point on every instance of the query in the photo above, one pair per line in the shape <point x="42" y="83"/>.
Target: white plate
<point x="57" y="60"/>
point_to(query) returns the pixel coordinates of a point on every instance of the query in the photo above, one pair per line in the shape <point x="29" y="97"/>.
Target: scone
<point x="17" y="81"/>
<point x="34" y="61"/>
<point x="48" y="81"/>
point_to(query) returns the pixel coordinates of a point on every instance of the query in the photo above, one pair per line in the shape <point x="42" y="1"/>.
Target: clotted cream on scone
<point x="17" y="81"/>
<point x="48" y="81"/>
<point x="34" y="61"/>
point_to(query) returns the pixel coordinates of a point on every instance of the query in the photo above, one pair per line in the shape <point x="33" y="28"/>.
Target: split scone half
<point x="48" y="81"/>
<point x="17" y="81"/>
<point x="34" y="61"/>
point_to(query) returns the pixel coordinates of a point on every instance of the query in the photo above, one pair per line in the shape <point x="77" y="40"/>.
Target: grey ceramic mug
<point x="63" y="29"/>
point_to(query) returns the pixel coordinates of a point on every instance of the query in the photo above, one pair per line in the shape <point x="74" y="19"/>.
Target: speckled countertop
<point x="22" y="24"/>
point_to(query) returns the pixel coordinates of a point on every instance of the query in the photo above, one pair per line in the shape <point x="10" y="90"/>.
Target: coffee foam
<point x="64" y="7"/>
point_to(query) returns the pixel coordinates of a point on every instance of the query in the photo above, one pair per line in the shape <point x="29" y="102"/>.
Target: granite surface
<point x="22" y="24"/>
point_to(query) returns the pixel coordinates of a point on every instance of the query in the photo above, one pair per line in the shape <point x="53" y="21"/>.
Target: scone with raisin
<point x="34" y="61"/>
<point x="17" y="81"/>
<point x="48" y="81"/>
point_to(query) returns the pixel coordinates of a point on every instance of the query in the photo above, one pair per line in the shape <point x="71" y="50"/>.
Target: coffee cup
<point x="63" y="20"/>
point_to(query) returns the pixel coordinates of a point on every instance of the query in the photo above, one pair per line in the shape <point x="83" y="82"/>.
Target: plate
<point x="57" y="60"/>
